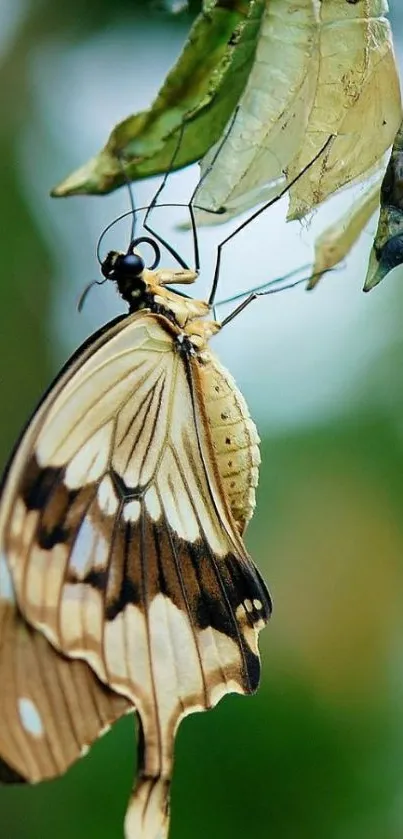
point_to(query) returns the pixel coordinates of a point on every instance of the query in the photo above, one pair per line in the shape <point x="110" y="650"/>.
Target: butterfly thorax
<point x="143" y="288"/>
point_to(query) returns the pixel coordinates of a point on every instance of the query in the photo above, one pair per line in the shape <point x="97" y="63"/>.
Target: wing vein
<point x="117" y="381"/>
<point x="150" y="395"/>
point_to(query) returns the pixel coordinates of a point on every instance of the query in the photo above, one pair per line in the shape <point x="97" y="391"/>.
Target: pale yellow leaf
<point x="336" y="241"/>
<point x="266" y="193"/>
<point x="357" y="99"/>
<point x="272" y="113"/>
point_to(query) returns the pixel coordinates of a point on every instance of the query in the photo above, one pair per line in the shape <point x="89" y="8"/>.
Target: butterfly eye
<point x="129" y="265"/>
<point x="145" y="240"/>
<point x="122" y="265"/>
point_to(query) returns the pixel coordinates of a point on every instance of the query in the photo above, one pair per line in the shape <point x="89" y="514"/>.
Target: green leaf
<point x="192" y="108"/>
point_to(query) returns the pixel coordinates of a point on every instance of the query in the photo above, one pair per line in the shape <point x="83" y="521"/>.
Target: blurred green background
<point x="318" y="753"/>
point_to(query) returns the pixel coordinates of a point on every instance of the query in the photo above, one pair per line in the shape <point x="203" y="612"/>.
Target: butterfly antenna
<point x="106" y="230"/>
<point x="258" y="213"/>
<point x="84" y="294"/>
<point x="126" y="215"/>
<point x="131" y="194"/>
<point x="132" y="212"/>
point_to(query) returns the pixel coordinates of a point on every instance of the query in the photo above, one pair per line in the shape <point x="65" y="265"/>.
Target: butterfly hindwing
<point x="51" y="708"/>
<point x="121" y="543"/>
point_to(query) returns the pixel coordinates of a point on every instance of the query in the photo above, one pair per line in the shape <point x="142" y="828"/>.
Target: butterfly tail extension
<point x="147" y="815"/>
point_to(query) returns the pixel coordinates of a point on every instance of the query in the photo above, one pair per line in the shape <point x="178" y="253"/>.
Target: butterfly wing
<point x="122" y="546"/>
<point x="51" y="709"/>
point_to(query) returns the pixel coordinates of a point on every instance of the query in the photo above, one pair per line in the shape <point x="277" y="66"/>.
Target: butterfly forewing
<point x="122" y="542"/>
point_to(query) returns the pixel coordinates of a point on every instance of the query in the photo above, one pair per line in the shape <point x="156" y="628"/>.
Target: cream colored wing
<point x="122" y="545"/>
<point x="51" y="708"/>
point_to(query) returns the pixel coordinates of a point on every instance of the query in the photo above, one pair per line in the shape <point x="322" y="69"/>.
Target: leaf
<point x="331" y="71"/>
<point x="192" y="108"/>
<point x="335" y="242"/>
<point x="357" y="99"/>
<point x="387" y="251"/>
<point x="273" y="110"/>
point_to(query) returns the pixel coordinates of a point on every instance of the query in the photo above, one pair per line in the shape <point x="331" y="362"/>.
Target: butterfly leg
<point x="153" y="204"/>
<point x="257" y="213"/>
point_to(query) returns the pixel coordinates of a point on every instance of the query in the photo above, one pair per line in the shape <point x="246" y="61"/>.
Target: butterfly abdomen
<point x="235" y="439"/>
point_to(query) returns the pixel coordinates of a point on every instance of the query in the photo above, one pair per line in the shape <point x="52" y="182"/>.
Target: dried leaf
<point x="337" y="240"/>
<point x="345" y="85"/>
<point x="357" y="99"/>
<point x="251" y="199"/>
<point x="387" y="251"/>
<point x="273" y="110"/>
<point x="192" y="108"/>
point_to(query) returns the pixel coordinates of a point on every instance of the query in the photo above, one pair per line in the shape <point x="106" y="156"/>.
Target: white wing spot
<point x="258" y="604"/>
<point x="107" y="498"/>
<point x="6" y="583"/>
<point x="90" y="548"/>
<point x="131" y="511"/>
<point x="30" y="717"/>
<point x="153" y="506"/>
<point x="248" y="606"/>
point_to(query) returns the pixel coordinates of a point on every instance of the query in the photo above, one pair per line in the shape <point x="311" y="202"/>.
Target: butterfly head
<point x="147" y="287"/>
<point x="129" y="272"/>
<point x="117" y="265"/>
<point x="126" y="270"/>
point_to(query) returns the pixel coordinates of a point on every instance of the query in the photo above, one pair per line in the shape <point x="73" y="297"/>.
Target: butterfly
<point x="125" y="584"/>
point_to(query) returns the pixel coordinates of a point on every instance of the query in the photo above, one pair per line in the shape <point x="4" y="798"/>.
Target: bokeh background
<point x="318" y="753"/>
